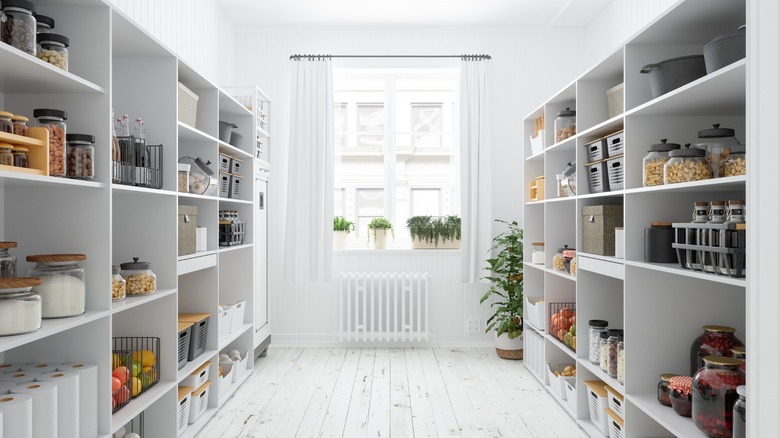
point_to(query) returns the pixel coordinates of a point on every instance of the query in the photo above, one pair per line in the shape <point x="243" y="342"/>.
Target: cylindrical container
<point x="595" y="328"/>
<point x="654" y="161"/>
<point x="739" y="354"/>
<point x="201" y="239"/>
<point x="118" y="285"/>
<point x="88" y="396"/>
<point x="10" y="367"/>
<point x="717" y="143"/>
<point x="44" y="24"/>
<point x="6" y="154"/>
<point x="714" y="395"/>
<point x="680" y="388"/>
<point x="537" y="253"/>
<point x="6" y="387"/>
<point x="41" y="368"/>
<point x="139" y="277"/>
<point x="621" y="367"/>
<point x="735" y="211"/>
<point x="17" y="415"/>
<point x="54" y="121"/>
<point x="20" y="125"/>
<point x="615" y="336"/>
<point x="183" y="177"/>
<point x="54" y="49"/>
<point x="20" y="157"/>
<point x="701" y="212"/>
<point x="736" y="163"/>
<point x="663" y="389"/>
<point x="19" y="26"/>
<point x="67" y="402"/>
<point x="620" y="242"/>
<point x="686" y="165"/>
<point x="604" y="351"/>
<point x="739" y="413"/>
<point x="716" y="340"/>
<point x="569" y="254"/>
<point x="81" y="155"/>
<point x="20" y="308"/>
<point x="63" y="290"/>
<point x="7" y="261"/>
<point x="565" y="124"/>
<point x="44" y="407"/>
<point x="6" y="125"/>
<point x="658" y="243"/>
<point x="559" y="263"/>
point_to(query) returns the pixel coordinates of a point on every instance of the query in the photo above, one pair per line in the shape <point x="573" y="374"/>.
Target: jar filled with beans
<point x="54" y="121"/>
<point x="54" y="49"/>
<point x="621" y="367"/>
<point x="139" y="277"/>
<point x="735" y="164"/>
<point x="565" y="125"/>
<point x="604" y="351"/>
<point x="654" y="161"/>
<point x="20" y="157"/>
<point x="595" y="328"/>
<point x="714" y="395"/>
<point x="686" y="165"/>
<point x="717" y="340"/>
<point x="20" y="125"/>
<point x="6" y="156"/>
<point x="6" y="125"/>
<point x="118" y="285"/>
<point x="80" y="156"/>
<point x="19" y="25"/>
<point x="615" y="336"/>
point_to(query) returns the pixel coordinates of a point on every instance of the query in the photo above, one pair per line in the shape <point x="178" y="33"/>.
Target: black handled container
<point x="673" y="73"/>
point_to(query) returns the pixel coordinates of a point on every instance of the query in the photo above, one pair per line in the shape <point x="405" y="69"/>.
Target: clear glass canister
<point x="736" y="163"/>
<point x="7" y="261"/>
<point x="139" y="277"/>
<point x="20" y="308"/>
<point x="44" y="24"/>
<point x="6" y="154"/>
<point x="184" y="179"/>
<point x="686" y="165"/>
<point x="735" y="211"/>
<point x="19" y="26"/>
<point x="714" y="395"/>
<point x="663" y="389"/>
<point x="20" y="157"/>
<point x="6" y="125"/>
<point x="595" y="328"/>
<point x="54" y="49"/>
<point x="716" y="340"/>
<point x="740" y="354"/>
<point x="739" y="413"/>
<point x="621" y="367"/>
<point x="569" y="254"/>
<point x="565" y="124"/>
<point x="118" y="285"/>
<point x="603" y="351"/>
<point x="20" y="125"/>
<point x="573" y="267"/>
<point x="615" y="336"/>
<point x="54" y="121"/>
<point x="717" y="143"/>
<point x="81" y="156"/>
<point x="558" y="260"/>
<point x="654" y="161"/>
<point x="63" y="288"/>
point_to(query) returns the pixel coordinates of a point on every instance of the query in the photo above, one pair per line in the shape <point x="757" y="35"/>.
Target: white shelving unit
<point x="661" y="307"/>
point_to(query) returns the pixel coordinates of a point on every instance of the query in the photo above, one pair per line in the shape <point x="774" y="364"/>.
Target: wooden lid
<point x="7" y="245"/>
<point x="614" y="417"/>
<point x="661" y="224"/>
<point x="198" y="391"/>
<point x="202" y="367"/>
<point x="613" y="393"/>
<point x="741" y="227"/>
<point x="183" y="325"/>
<point x="597" y="386"/>
<point x="193" y="317"/>
<point x="184" y="391"/>
<point x="56" y="258"/>
<point x="19" y="282"/>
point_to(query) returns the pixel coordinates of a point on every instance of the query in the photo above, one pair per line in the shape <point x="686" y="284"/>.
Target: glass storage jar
<point x="20" y="157"/>
<point x="7" y="261"/>
<point x="558" y="259"/>
<point x="63" y="287"/>
<point x="565" y="125"/>
<point x="118" y="285"/>
<point x="20" y="125"/>
<point x="736" y="163"/>
<point x="573" y="267"/>
<point x="615" y="336"/>
<point x="139" y="277"/>
<point x="663" y="389"/>
<point x="714" y="395"/>
<point x="54" y="49"/>
<point x="6" y="154"/>
<point x="621" y="365"/>
<point x="595" y="328"/>
<point x="604" y="351"/>
<point x="537" y="252"/>
<point x="739" y="413"/>
<point x="20" y="308"/>
<point x="686" y="165"/>
<point x="6" y="124"/>
<point x="716" y="340"/>
<point x="739" y="354"/>
<point x="44" y="24"/>
<point x="680" y="388"/>
<point x="569" y="254"/>
<point x="81" y="155"/>
<point x="19" y="26"/>
<point x="54" y="121"/>
<point x="735" y="211"/>
<point x="653" y="163"/>
<point x="717" y="143"/>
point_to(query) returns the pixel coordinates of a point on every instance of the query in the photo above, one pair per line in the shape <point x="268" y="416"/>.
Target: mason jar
<point x="20" y="308"/>
<point x="663" y="389"/>
<point x="54" y="121"/>
<point x="20" y="157"/>
<point x="714" y="395"/>
<point x="565" y="125"/>
<point x="54" y="49"/>
<point x="595" y="328"/>
<point x="20" y="125"/>
<point x="716" y="143"/>
<point x="81" y="156"/>
<point x="6" y="124"/>
<point x="7" y="261"/>
<point x="736" y="163"/>
<point x="6" y="154"/>
<point x="118" y="285"/>
<point x="686" y="165"/>
<point x="653" y="163"/>
<point x="716" y="340"/>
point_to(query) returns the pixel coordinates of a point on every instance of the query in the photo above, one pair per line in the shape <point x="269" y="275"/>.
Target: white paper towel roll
<point x="6" y="387"/>
<point x="42" y="368"/>
<point x="1" y="424"/>
<point x="88" y="396"/>
<point x="67" y="401"/>
<point x="10" y="367"/>
<point x="17" y="415"/>
<point x="44" y="407"/>
<point x="20" y="377"/>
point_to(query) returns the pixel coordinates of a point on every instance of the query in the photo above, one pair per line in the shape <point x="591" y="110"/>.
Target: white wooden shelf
<point x="535" y="157"/>
<point x="235" y="248"/>
<point x="707" y="185"/>
<point x="191" y="134"/>
<point x="233" y="336"/>
<point x="567" y="145"/>
<point x="197" y="254"/>
<point x="534" y="266"/>
<point x="134" y="301"/>
<point x="589" y="428"/>
<point x="195" y="364"/>
<point x="601" y="375"/>
<point x="198" y="262"/>
<point x="23" y="73"/>
<point x="51" y="327"/>
<point x="562" y="274"/>
<point x="139" y="404"/>
<point x="560" y="401"/>
<point x="197" y="426"/>
<point x="537" y="330"/>
<point x="552" y="339"/>
<point x="133" y="189"/>
<point x="27" y="180"/>
<point x="229" y="149"/>
<point x="665" y="416"/>
<point x="263" y="132"/>
<point x="196" y="196"/>
<point x="234" y="387"/>
<point x="229" y="105"/>
<point x="676" y="269"/>
<point x="236" y="201"/>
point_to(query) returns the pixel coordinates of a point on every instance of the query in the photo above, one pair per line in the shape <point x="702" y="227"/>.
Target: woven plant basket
<point x="510" y="354"/>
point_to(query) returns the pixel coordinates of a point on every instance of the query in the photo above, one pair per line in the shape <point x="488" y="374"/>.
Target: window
<point x="396" y="148"/>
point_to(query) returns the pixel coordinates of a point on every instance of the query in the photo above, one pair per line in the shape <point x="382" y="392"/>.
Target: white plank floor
<point x="399" y="392"/>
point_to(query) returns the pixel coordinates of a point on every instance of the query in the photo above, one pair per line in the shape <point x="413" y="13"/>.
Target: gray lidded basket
<point x="597" y="177"/>
<point x="615" y="144"/>
<point x="597" y="150"/>
<point x="616" y="172"/>
<point x="184" y="346"/>
<point x="598" y="228"/>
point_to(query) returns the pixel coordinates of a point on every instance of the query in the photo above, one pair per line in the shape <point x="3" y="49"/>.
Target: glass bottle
<point x="7" y="261"/>
<point x="54" y="49"/>
<point x="565" y="125"/>
<point x="614" y="339"/>
<point x="680" y="388"/>
<point x="739" y="353"/>
<point x="714" y="395"/>
<point x="595" y="328"/>
<point x="716" y="340"/>
<point x="20" y="157"/>
<point x="6" y="125"/>
<point x="739" y="413"/>
<point x="736" y="163"/>
<point x="6" y="154"/>
<point x="81" y="156"/>
<point x="118" y="285"/>
<point x="604" y="351"/>
<point x="663" y="389"/>
<point x="20" y="125"/>
<point x="20" y="306"/>
<point x="653" y="163"/>
<point x="19" y="26"/>
<point x="63" y="287"/>
<point x="54" y="121"/>
<point x="686" y="165"/>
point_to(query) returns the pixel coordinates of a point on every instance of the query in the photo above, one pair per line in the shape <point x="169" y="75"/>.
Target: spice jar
<point x="63" y="287"/>
<point x="736" y="163"/>
<point x="680" y="395"/>
<point x="565" y="125"/>
<point x="621" y="367"/>
<point x="184" y="180"/>
<point x="139" y="277"/>
<point x="686" y="165"/>
<point x="6" y="154"/>
<point x="739" y="354"/>
<point x="595" y="328"/>
<point x="714" y="395"/>
<point x="615" y="336"/>
<point x="663" y="389"/>
<point x="20" y="157"/>
<point x="6" y="125"/>
<point x="603" y="351"/>
<point x="54" y="121"/>
<point x="739" y="414"/>
<point x="537" y="252"/>
<point x="44" y="24"/>
<point x="717" y="143"/>
<point x="559" y="263"/>
<point x="20" y="125"/>
<point x="20" y="308"/>
<point x="19" y="26"/>
<point x="735" y="211"/>
<point x="81" y="155"/>
<point x="118" y="285"/>
<point x="7" y="261"/>
<point x="54" y="49"/>
<point x="716" y="340"/>
<point x="654" y="161"/>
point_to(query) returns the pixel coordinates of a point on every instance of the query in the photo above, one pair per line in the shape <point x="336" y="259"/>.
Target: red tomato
<point x="121" y="373"/>
<point x="115" y="384"/>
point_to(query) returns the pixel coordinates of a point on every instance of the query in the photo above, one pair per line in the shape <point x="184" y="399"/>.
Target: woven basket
<point x="510" y="354"/>
<point x="615" y="100"/>
<point x="188" y="106"/>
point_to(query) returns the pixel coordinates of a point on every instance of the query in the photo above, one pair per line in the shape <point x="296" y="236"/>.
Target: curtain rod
<point x="298" y="57"/>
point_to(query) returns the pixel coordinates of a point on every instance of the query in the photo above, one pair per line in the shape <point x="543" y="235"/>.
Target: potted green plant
<point x="506" y="278"/>
<point x="434" y="232"/>
<point x="378" y="228"/>
<point x="341" y="229"/>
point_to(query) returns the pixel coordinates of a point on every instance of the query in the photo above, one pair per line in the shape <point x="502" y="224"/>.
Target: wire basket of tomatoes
<point x="563" y="323"/>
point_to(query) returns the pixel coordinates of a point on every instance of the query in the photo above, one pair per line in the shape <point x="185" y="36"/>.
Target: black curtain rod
<point x="298" y="57"/>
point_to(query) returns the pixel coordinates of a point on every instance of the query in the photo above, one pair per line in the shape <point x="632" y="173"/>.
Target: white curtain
<point x="475" y="191"/>
<point x="308" y="255"/>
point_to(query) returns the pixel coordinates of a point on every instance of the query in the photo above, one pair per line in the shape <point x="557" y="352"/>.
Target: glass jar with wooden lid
<point x="7" y="261"/>
<point x="20" y="307"/>
<point x="63" y="287"/>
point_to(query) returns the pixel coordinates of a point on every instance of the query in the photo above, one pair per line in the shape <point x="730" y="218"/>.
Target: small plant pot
<point x="509" y="348"/>
<point x="379" y="237"/>
<point x="340" y="239"/>
<point x="442" y="244"/>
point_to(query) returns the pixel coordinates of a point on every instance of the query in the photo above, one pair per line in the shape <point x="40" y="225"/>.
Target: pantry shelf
<point x="560" y="345"/>
<point x="567" y="145"/>
<point x="195" y="364"/>
<point x="233" y="336"/>
<point x="609" y="194"/>
<point x="197" y="254"/>
<point x="560" y="402"/>
<point x="195" y="196"/>
<point x="139" y="404"/>
<point x="131" y="302"/>
<point x="234" y="386"/>
<point x="562" y="274"/>
<point x="534" y="328"/>
<point x="51" y="327"/>
<point x="197" y="426"/>
<point x="590" y="429"/>
<point x="534" y="266"/>
<point x="23" y="73"/>
<point x="673" y="268"/>
<point x="563" y="199"/>
<point x="728" y="183"/>
<point x="189" y="134"/>
<point x="228" y="149"/>
<point x="134" y="189"/>
<point x="535" y="157"/>
<point x="235" y="201"/>
<point x="596" y="370"/>
<point x="229" y="105"/>
<point x="235" y="248"/>
<point x="665" y="416"/>
<point x="28" y="180"/>
<point x="603" y="129"/>
<point x="199" y="262"/>
<point x="262" y="132"/>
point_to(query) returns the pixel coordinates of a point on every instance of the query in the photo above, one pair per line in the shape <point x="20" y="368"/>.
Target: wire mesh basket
<point x="138" y="164"/>
<point x="121" y="363"/>
<point x="232" y="233"/>
<point x="144" y="362"/>
<point x="562" y="317"/>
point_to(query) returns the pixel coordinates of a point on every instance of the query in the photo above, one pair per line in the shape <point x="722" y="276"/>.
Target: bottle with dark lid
<point x="19" y="25"/>
<point x="658" y="243"/>
<point x="54" y="121"/>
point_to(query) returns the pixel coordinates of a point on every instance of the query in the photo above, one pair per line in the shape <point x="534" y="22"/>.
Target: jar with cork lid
<point x="63" y="287"/>
<point x="537" y="253"/>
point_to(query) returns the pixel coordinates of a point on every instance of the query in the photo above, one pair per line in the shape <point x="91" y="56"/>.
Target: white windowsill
<point x="394" y="251"/>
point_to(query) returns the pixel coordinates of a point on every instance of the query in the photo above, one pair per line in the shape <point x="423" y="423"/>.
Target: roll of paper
<point x="6" y="387"/>
<point x="1" y="424"/>
<point x="67" y="402"/>
<point x="44" y="407"/>
<point x="88" y="396"/>
<point x="17" y="415"/>
<point x="42" y="368"/>
<point x="10" y="367"/>
<point x="20" y="377"/>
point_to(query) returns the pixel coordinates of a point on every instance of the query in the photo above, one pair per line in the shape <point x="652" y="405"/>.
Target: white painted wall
<point x="298" y="312"/>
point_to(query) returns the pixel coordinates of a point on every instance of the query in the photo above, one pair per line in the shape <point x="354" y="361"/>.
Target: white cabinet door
<point x="261" y="257"/>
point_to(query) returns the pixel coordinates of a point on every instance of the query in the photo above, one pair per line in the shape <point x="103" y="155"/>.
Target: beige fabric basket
<point x="188" y="106"/>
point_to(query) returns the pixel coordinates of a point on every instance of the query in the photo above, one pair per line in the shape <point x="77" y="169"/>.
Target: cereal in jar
<point x="139" y="277"/>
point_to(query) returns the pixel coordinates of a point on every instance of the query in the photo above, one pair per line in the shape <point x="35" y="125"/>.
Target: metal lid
<point x="667" y="376"/>
<point x="604" y="335"/>
<point x="19" y="282"/>
<point x="135" y="265"/>
<point x="43" y="19"/>
<point x="54" y="38"/>
<point x="722" y="360"/>
<point x="23" y="4"/>
<point x="737" y="149"/>
<point x="687" y="151"/>
<point x="47" y="112"/>
<point x="663" y="146"/>
<point x="7" y="245"/>
<point x="719" y="329"/>
<point x="56" y="258"/>
<point x="567" y="113"/>
<point x="80" y="137"/>
<point x="114" y="269"/>
<point x="716" y="132"/>
<point x="615" y="332"/>
<point x="660" y="225"/>
<point x="565" y="248"/>
<point x="18" y="118"/>
<point x="598" y="323"/>
<point x="742" y="390"/>
<point x="738" y="350"/>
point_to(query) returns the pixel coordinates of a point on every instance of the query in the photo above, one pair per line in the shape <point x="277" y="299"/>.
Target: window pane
<point x="338" y="203"/>
<point x="426" y="202"/>
<point x="427" y="124"/>
<point x="369" y="204"/>
<point x="370" y="119"/>
<point x="340" y="124"/>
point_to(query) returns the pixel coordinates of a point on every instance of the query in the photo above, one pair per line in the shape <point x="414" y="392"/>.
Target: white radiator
<point x="383" y="306"/>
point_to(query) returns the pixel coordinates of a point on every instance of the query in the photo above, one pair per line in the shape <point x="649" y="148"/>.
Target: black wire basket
<point x="138" y="164"/>
<point x="141" y="357"/>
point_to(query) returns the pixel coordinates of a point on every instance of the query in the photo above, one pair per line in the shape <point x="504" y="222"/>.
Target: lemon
<point x="136" y="386"/>
<point x="145" y="357"/>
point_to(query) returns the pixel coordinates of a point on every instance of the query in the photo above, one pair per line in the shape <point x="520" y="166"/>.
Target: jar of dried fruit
<point x="716" y="340"/>
<point x="739" y="354"/>
<point x="615" y="337"/>
<point x="663" y="389"/>
<point x="714" y="395"/>
<point x="118" y="285"/>
<point x="139" y="277"/>
<point x="20" y="125"/>
<point x="686" y="165"/>
<point x="54" y="121"/>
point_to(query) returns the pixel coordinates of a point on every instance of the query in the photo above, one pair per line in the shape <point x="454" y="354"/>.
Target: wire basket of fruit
<point x="136" y="367"/>
<point x="563" y="323"/>
<point x="120" y="380"/>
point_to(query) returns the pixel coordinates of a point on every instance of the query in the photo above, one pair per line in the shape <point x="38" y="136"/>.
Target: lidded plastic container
<point x="20" y="308"/>
<point x="537" y="253"/>
<point x="54" y="121"/>
<point x="54" y="49"/>
<point x="615" y="337"/>
<point x="139" y="277"/>
<point x="6" y="154"/>
<point x="685" y="165"/>
<point x="565" y="125"/>
<point x="716" y="340"/>
<point x="63" y="287"/>
<point x="7" y="261"/>
<point x="717" y="142"/>
<point x="20" y="125"/>
<point x="20" y="26"/>
<point x="6" y="125"/>
<point x="736" y="163"/>
<point x="595" y="328"/>
<point x="81" y="155"/>
<point x="44" y="24"/>
<point x="653" y="163"/>
<point x="714" y="395"/>
<point x="20" y="157"/>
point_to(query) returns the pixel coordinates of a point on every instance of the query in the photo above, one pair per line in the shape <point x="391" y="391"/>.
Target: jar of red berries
<point x="680" y="394"/>
<point x="739" y="353"/>
<point x="717" y="340"/>
<point x="714" y="395"/>
<point x="663" y="389"/>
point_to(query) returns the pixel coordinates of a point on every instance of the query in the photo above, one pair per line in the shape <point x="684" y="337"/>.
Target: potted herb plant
<point x="341" y="229"/>
<point x="434" y="232"/>
<point x="378" y="228"/>
<point x="506" y="278"/>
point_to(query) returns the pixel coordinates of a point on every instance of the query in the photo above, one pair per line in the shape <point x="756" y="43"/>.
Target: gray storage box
<point x="598" y="228"/>
<point x="235" y="187"/>
<point x="224" y="163"/>
<point x="188" y="224"/>
<point x="224" y="185"/>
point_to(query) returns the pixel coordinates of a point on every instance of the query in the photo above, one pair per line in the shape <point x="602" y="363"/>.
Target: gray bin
<point x="224" y="163"/>
<point x="598" y="228"/>
<point x="184" y="346"/>
<point x="224" y="185"/>
<point x="188" y="224"/>
<point x="235" y="186"/>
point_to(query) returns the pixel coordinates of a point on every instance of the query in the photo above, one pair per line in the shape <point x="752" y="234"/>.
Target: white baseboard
<point x="329" y="340"/>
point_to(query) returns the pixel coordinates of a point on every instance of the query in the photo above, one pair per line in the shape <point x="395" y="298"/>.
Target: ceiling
<point x="473" y="13"/>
